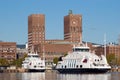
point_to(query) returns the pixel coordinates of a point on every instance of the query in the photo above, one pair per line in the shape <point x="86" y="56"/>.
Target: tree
<point x="4" y="62"/>
<point x="65" y="54"/>
<point x="18" y="62"/>
<point x="111" y="59"/>
<point x="55" y="60"/>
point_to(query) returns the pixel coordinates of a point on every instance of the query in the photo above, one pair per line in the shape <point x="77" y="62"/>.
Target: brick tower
<point x="36" y="30"/>
<point x="73" y="27"/>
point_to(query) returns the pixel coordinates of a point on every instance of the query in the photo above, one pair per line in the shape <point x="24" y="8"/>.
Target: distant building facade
<point x="8" y="50"/>
<point x="22" y="50"/>
<point x="110" y="49"/>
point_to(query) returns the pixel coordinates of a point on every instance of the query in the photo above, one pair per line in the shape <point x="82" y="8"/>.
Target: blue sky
<point x="99" y="17"/>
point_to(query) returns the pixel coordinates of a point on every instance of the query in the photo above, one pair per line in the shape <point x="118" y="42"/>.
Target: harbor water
<point x="53" y="75"/>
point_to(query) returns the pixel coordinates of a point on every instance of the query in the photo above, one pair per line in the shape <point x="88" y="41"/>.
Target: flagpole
<point x="105" y="45"/>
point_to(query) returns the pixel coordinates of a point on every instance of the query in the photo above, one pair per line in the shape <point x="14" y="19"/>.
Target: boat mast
<point x="105" y="45"/>
<point x="32" y="50"/>
<point x="43" y="52"/>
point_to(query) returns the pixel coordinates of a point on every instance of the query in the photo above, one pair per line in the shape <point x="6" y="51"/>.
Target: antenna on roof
<point x="105" y="45"/>
<point x="43" y="52"/>
<point x="86" y="44"/>
<point x="70" y="11"/>
<point x="32" y="49"/>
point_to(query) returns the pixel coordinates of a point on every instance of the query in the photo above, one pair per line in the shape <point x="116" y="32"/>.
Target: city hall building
<point x="53" y="48"/>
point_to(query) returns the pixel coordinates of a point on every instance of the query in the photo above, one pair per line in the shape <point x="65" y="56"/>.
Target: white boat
<point x="33" y="63"/>
<point x="81" y="60"/>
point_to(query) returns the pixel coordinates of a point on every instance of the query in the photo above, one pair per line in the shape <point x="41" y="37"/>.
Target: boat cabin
<point x="33" y="55"/>
<point x="81" y="49"/>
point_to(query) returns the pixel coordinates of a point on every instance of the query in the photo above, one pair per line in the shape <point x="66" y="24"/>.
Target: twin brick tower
<point x="53" y="48"/>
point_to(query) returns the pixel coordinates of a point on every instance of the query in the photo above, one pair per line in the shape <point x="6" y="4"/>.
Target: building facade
<point x="8" y="50"/>
<point x="73" y="27"/>
<point x="110" y="49"/>
<point x="57" y="48"/>
<point x="53" y="48"/>
<point x="36" y="30"/>
<point x="22" y="50"/>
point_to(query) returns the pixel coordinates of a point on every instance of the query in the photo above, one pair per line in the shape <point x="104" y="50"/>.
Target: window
<point x="65" y="66"/>
<point x="76" y="66"/>
<point x="80" y="66"/>
<point x="81" y="50"/>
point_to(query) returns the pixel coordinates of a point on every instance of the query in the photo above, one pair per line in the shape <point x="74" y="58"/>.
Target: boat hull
<point x="36" y="70"/>
<point x="84" y="70"/>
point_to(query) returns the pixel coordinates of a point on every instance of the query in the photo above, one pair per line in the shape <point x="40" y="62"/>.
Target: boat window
<point x="41" y="66"/>
<point x="29" y="56"/>
<point x="80" y="66"/>
<point x="74" y="65"/>
<point x="80" y="50"/>
<point x="35" y="56"/>
<point x="77" y="66"/>
<point x="65" y="66"/>
<point x="32" y="56"/>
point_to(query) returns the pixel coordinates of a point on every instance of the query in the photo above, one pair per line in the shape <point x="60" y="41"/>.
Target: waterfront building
<point x="36" y="30"/>
<point x="57" y="48"/>
<point x="53" y="48"/>
<point x="73" y="27"/>
<point x="112" y="52"/>
<point x="8" y="50"/>
<point x="110" y="49"/>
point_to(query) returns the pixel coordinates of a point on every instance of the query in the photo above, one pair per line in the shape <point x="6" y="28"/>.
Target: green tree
<point x="55" y="60"/>
<point x="18" y="62"/>
<point x="65" y="54"/>
<point x="4" y="62"/>
<point x="119" y="61"/>
<point x="111" y="59"/>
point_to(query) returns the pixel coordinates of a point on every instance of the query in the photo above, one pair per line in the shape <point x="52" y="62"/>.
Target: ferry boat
<point x="82" y="60"/>
<point x="33" y="63"/>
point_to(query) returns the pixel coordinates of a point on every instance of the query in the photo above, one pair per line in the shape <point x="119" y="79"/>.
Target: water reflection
<point x="115" y="76"/>
<point x="56" y="76"/>
<point x="9" y="76"/>
<point x="51" y="75"/>
<point x="33" y="76"/>
<point x="84" y="76"/>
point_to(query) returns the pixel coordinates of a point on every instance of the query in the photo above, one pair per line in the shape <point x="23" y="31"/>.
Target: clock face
<point x="74" y="22"/>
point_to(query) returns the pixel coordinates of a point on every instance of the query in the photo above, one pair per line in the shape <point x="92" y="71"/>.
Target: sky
<point x="99" y="17"/>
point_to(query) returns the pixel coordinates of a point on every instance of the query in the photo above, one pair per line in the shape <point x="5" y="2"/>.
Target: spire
<point x="70" y="11"/>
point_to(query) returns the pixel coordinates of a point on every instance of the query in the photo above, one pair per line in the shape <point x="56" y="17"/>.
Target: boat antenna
<point x="105" y="45"/>
<point x="86" y="44"/>
<point x="43" y="52"/>
<point x="36" y="52"/>
<point x="32" y="49"/>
